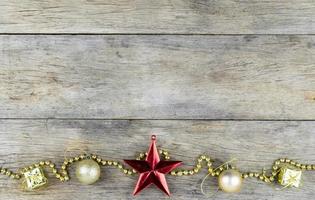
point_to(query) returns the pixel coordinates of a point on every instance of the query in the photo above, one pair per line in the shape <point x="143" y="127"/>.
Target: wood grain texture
<point x="157" y="77"/>
<point x="255" y="144"/>
<point x="164" y="16"/>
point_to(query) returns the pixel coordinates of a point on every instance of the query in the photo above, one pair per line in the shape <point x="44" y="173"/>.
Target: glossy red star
<point x="152" y="170"/>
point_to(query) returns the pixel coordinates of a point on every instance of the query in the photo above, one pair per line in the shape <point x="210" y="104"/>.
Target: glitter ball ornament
<point x="88" y="171"/>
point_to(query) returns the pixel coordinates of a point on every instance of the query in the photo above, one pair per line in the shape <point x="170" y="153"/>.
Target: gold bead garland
<point x="202" y="161"/>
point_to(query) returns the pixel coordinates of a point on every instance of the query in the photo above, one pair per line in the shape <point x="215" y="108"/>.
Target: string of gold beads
<point x="276" y="167"/>
<point x="9" y="173"/>
<point x="279" y="170"/>
<point x="202" y="161"/>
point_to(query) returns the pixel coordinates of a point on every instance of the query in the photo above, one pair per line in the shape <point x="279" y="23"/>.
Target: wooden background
<point x="230" y="78"/>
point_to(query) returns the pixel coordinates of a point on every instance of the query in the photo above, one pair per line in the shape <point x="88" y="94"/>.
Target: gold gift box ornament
<point x="34" y="179"/>
<point x="289" y="177"/>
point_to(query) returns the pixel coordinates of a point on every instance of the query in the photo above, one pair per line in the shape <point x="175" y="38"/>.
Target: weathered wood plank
<point x="164" y="16"/>
<point x="145" y="77"/>
<point x="254" y="143"/>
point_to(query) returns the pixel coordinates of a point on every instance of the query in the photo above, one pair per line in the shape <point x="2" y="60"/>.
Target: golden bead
<point x="185" y="172"/>
<point x="76" y="158"/>
<point x="179" y="173"/>
<point x="66" y="178"/>
<point x="173" y="173"/>
<point x="251" y="174"/>
<point x="103" y="162"/>
<point x="52" y="165"/>
<point x="109" y="162"/>
<point x="42" y="163"/>
<point x="115" y="163"/>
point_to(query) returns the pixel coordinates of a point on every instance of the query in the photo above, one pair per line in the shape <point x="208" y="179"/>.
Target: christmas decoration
<point x="289" y="176"/>
<point x="152" y="170"/>
<point x="34" y="178"/>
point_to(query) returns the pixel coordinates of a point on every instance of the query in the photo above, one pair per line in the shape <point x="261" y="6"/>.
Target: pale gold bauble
<point x="88" y="171"/>
<point x="230" y="181"/>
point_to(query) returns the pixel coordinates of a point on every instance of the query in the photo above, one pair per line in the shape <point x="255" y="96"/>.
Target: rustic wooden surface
<point x="160" y="77"/>
<point x="230" y="78"/>
<point x="163" y="16"/>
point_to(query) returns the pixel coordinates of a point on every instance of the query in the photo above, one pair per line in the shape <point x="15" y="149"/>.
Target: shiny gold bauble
<point x="230" y="181"/>
<point x="88" y="171"/>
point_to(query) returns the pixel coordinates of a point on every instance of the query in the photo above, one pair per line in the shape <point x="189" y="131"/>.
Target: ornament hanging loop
<point x="153" y="137"/>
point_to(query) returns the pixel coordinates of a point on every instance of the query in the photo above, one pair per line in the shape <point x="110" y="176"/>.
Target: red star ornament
<point x="152" y="170"/>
